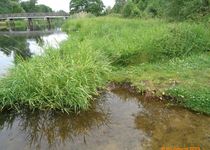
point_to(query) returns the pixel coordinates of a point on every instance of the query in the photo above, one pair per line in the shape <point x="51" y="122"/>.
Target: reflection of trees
<point x="153" y="122"/>
<point x="53" y="128"/>
<point x="124" y="94"/>
<point x="167" y="125"/>
<point x="18" y="45"/>
<point x="172" y="126"/>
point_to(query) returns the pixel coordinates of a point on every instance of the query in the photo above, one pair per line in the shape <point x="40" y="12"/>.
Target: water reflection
<point x="119" y="120"/>
<point x="168" y="125"/>
<point x="49" y="130"/>
<point x="18" y="45"/>
<point x="21" y="47"/>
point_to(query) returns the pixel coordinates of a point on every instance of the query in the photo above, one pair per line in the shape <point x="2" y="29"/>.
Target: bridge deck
<point x="32" y="15"/>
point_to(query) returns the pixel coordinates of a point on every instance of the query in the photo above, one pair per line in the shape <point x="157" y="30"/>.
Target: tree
<point x="118" y="7"/>
<point x="77" y="6"/>
<point x="90" y="6"/>
<point x="171" y="9"/>
<point x="61" y="11"/>
<point x="29" y="6"/>
<point x="10" y="6"/>
<point x="131" y="9"/>
<point x="43" y="8"/>
<point x="95" y="7"/>
<point x="16" y="6"/>
<point x="108" y="10"/>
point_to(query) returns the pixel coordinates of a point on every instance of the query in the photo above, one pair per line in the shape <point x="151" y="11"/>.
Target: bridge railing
<point x="28" y="15"/>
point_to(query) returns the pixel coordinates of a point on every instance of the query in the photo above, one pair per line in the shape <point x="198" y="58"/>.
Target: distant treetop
<point x="18" y="6"/>
<point x="90" y="6"/>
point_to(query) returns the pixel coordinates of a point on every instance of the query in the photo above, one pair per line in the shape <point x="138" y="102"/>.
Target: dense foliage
<point x="172" y="9"/>
<point x="31" y="6"/>
<point x="16" y="6"/>
<point x="10" y="6"/>
<point x="90" y="6"/>
<point x="119" y="4"/>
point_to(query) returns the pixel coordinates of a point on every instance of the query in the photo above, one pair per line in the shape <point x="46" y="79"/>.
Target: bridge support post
<point x="11" y="25"/>
<point x="30" y="24"/>
<point x="48" y="24"/>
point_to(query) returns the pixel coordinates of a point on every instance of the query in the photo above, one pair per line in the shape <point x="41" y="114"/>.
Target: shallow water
<point x="25" y="45"/>
<point x="119" y="120"/>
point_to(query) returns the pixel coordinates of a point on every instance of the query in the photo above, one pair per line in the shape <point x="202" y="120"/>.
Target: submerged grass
<point x="171" y="58"/>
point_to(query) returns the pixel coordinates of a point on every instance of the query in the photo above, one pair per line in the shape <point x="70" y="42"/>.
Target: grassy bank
<point x="170" y="58"/>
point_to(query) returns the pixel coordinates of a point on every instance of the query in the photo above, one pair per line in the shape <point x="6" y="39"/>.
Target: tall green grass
<point x="155" y="55"/>
<point x="64" y="79"/>
<point x="152" y="54"/>
<point x="133" y="41"/>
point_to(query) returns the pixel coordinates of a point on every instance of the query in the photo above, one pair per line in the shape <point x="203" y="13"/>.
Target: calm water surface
<point x="25" y="45"/>
<point x="118" y="121"/>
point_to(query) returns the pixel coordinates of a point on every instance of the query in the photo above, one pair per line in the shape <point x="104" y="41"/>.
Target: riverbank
<point x="153" y="55"/>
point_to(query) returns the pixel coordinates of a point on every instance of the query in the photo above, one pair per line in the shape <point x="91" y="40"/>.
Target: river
<point x="118" y="120"/>
<point x="25" y="45"/>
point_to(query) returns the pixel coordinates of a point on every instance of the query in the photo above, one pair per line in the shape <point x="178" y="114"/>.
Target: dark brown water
<point x="119" y="121"/>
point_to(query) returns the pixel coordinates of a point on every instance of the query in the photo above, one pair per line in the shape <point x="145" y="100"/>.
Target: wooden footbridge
<point x="30" y="17"/>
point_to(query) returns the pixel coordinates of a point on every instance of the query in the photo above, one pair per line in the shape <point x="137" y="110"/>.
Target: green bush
<point x="130" y="9"/>
<point x="182" y="40"/>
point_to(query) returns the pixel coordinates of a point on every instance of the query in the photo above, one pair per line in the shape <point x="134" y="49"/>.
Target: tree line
<point x="172" y="9"/>
<point x="17" y="6"/>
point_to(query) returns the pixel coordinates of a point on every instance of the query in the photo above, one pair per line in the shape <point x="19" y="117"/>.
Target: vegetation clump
<point x="64" y="79"/>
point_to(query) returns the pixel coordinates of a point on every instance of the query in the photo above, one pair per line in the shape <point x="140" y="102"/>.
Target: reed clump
<point x="64" y="79"/>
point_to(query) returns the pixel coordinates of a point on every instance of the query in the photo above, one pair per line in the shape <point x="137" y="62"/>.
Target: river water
<point x="25" y="45"/>
<point x="118" y="120"/>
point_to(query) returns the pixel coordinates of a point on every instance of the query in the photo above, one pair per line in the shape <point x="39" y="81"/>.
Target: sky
<point x="64" y="4"/>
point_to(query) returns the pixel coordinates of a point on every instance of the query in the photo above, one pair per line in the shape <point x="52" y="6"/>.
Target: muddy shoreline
<point x="149" y="94"/>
